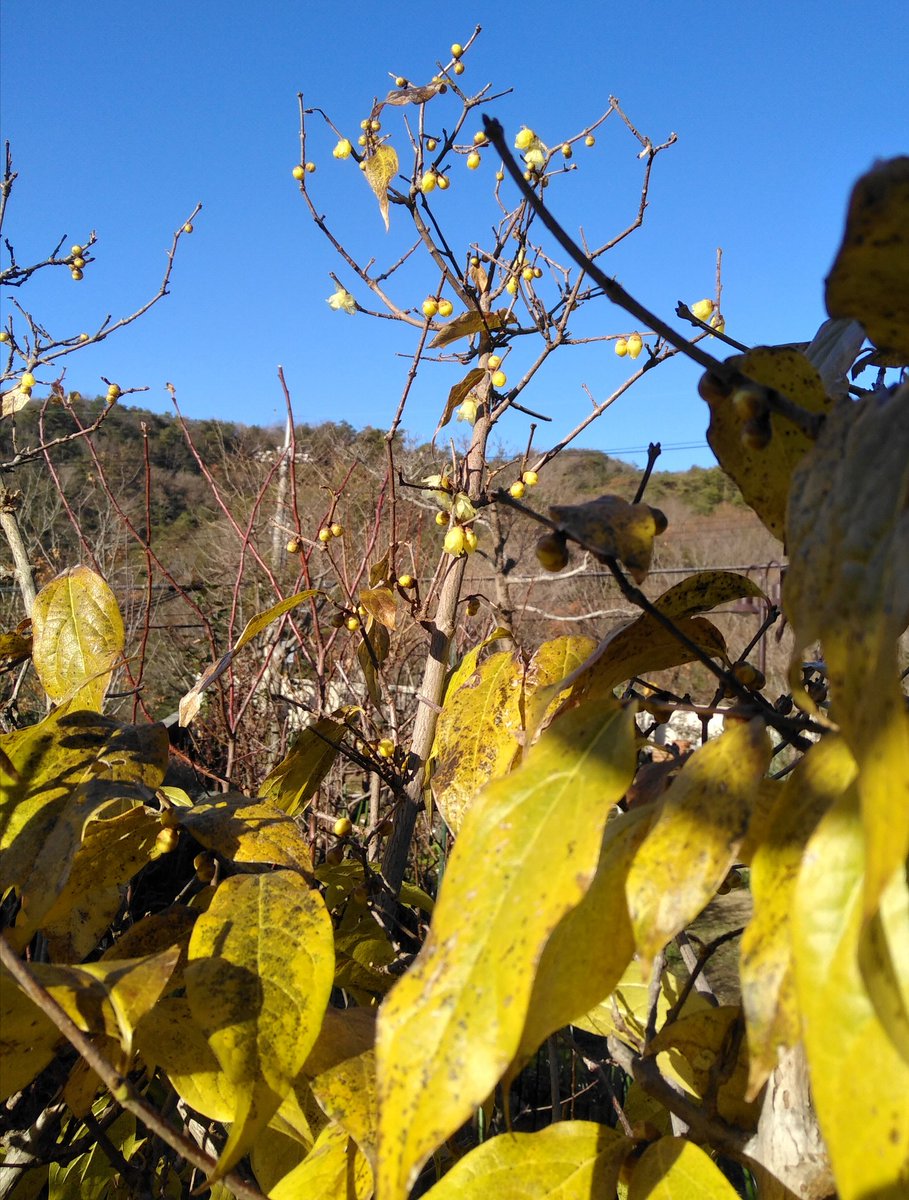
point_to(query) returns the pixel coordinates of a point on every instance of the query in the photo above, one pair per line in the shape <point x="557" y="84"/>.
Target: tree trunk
<point x="788" y="1152"/>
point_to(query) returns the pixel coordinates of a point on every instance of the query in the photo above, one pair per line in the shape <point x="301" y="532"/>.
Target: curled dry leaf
<point x="613" y="528"/>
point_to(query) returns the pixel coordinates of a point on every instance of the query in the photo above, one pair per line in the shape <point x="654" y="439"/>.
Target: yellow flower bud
<point x="455" y="541"/>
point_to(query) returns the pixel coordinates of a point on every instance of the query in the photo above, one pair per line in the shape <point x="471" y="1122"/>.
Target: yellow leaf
<point x="566" y="1161"/>
<point x="153" y="933"/>
<point x="258" y="981"/>
<point x="624" y="1011"/>
<point x="458" y="393"/>
<point x="362" y="950"/>
<point x="763" y="475"/>
<point x="380" y="169"/>
<point x="275" y="1154"/>
<point x="476" y="735"/>
<point x="859" y="1080"/>
<point x="591" y="946"/>
<point x="552" y="662"/>
<point x="467" y="323"/>
<point x="413" y="94"/>
<point x="643" y="646"/>
<point x="379" y="602"/>
<point x="169" y="1038"/>
<point x="346" y="1093"/>
<point x="468" y="664"/>
<point x="111" y="853"/>
<point x="83" y="1084"/>
<point x="298" y="776"/>
<point x="12" y="401"/>
<point x="15" y="648"/>
<point x="81" y="997"/>
<point x="333" y="1170"/>
<point x="77" y="636"/>
<point x="133" y="986"/>
<point x="696" y="835"/>
<point x="884" y="962"/>
<point x="192" y="701"/>
<point x="526" y="854"/>
<point x="612" y="528"/>
<point x="704" y="590"/>
<point x="870" y="277"/>
<point x="247" y="831"/>
<point x="768" y="984"/>
<point x="674" y="1169"/>
<point x="848" y="587"/>
<point x="28" y="1038"/>
<point x="371" y="653"/>
<point x="701" y="1049"/>
<point x="66" y="767"/>
<point x="345" y="1033"/>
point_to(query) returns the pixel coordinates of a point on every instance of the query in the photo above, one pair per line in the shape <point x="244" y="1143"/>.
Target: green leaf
<point x="870" y="277"/>
<point x="859" y="1080"/>
<point x="525" y="856"/>
<point x="612" y="528"/>
<point x="566" y="1161"/>
<point x="674" y="1169"/>
<point x="88" y="1177"/>
<point x="191" y="702"/>
<point x="258" y="982"/>
<point x="768" y="984"/>
<point x="298" y="776"/>
<point x="847" y="586"/>
<point x="78" y="637"/>
<point x="695" y="838"/>
<point x="476" y="735"/>
<point x="380" y="169"/>
<point x="763" y="475"/>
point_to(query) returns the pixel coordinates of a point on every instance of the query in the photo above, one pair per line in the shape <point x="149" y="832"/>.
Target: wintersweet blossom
<point x="468" y="410"/>
<point x="342" y="301"/>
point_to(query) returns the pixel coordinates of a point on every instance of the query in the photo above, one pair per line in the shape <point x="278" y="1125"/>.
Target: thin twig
<point x="731" y="377"/>
<point x="120" y="1086"/>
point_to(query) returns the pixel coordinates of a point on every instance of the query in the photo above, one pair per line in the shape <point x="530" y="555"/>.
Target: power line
<point x="669" y="446"/>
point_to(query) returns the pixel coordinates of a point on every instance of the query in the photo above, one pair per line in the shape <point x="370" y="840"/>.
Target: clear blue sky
<point x="123" y="115"/>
